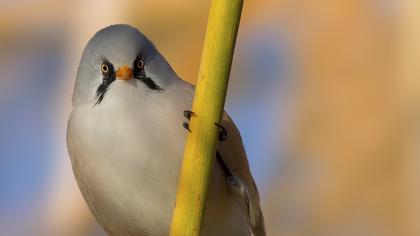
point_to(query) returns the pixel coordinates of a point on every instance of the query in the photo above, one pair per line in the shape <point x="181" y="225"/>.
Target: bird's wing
<point x="233" y="154"/>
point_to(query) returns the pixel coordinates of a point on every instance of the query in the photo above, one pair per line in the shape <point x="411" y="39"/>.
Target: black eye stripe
<point x="140" y="74"/>
<point x="108" y="76"/>
<point x="110" y="68"/>
<point x="138" y="71"/>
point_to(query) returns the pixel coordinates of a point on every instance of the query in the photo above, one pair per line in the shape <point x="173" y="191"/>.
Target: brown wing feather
<point x="233" y="153"/>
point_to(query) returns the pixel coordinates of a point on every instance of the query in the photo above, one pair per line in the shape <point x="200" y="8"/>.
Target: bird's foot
<point x="223" y="133"/>
<point x="188" y="114"/>
<point x="186" y="126"/>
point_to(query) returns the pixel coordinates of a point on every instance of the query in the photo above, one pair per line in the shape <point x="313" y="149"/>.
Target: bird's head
<point x="119" y="54"/>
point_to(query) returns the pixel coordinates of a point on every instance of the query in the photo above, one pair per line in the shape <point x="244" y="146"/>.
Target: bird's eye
<point x="140" y="64"/>
<point x="104" y="68"/>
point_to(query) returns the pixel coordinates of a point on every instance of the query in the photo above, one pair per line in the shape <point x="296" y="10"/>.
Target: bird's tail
<point x="258" y="228"/>
<point x="255" y="216"/>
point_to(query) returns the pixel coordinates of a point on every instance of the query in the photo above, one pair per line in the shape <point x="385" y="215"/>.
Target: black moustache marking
<point x="150" y="83"/>
<point x="100" y="92"/>
<point x="109" y="77"/>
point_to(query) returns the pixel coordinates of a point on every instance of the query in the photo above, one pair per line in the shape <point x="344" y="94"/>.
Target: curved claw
<point x="223" y="133"/>
<point x="186" y="126"/>
<point x="188" y="114"/>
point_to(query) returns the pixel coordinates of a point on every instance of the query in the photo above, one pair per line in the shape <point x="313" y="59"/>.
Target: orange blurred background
<point x="326" y="95"/>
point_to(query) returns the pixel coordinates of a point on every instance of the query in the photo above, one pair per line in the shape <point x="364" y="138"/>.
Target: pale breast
<point x="127" y="165"/>
<point x="126" y="155"/>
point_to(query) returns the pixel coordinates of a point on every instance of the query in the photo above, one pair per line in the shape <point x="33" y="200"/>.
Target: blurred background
<point x="326" y="95"/>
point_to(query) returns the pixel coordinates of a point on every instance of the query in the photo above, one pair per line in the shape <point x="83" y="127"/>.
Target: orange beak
<point x="124" y="73"/>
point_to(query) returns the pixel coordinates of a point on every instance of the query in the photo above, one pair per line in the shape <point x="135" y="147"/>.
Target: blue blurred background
<point x="324" y="93"/>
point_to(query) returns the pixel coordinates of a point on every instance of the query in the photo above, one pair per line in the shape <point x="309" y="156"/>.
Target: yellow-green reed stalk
<point x="208" y="106"/>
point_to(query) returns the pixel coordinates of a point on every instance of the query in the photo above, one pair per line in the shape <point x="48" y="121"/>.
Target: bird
<point x="125" y="140"/>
